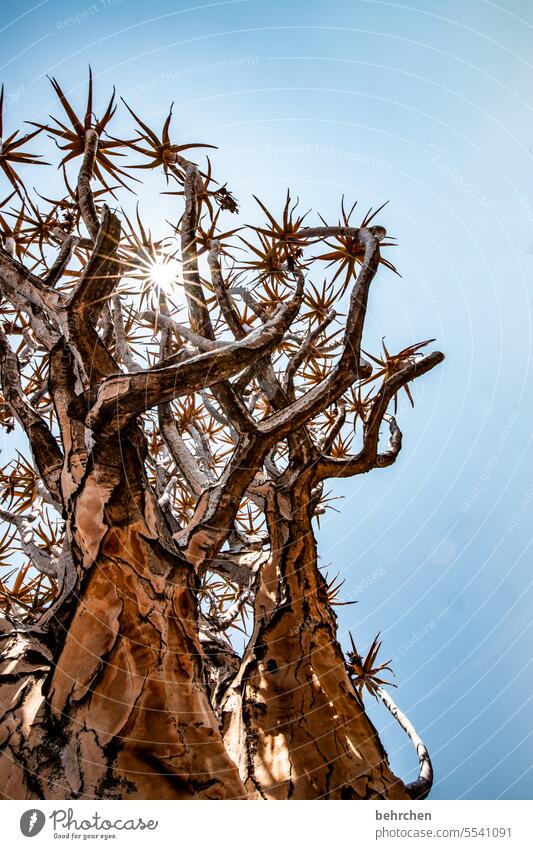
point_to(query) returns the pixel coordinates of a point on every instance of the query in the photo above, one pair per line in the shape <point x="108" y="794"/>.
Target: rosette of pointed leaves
<point x="70" y="138"/>
<point x="365" y="673"/>
<point x="159" y="151"/>
<point x="11" y="154"/>
<point x="286" y="235"/>
<point x="391" y="364"/>
<point x="347" y="252"/>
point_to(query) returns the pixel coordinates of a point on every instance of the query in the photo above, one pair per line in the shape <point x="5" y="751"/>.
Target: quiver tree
<point x="183" y="401"/>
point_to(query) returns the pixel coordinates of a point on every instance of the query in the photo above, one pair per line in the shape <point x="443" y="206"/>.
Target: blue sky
<point x="427" y="105"/>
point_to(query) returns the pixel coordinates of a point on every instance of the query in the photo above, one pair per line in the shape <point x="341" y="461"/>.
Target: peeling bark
<point x="292" y="720"/>
<point x="126" y="700"/>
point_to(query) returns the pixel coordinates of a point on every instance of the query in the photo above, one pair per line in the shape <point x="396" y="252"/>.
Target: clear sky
<point x="427" y="104"/>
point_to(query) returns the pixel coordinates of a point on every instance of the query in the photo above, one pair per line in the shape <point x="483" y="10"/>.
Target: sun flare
<point x="165" y="273"/>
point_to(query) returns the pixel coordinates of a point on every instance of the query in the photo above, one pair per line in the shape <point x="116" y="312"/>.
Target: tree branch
<point x="102" y="273"/>
<point x="326" y="231"/>
<point x="224" y="301"/>
<point x="62" y="387"/>
<point x="122" y="397"/>
<point x="122" y="349"/>
<point x="47" y="564"/>
<point x="420" y="788"/>
<point x="181" y="330"/>
<point x="84" y="192"/>
<point x="217" y="507"/>
<point x="299" y="356"/>
<point x="176" y="446"/>
<point x="62" y="260"/>
<point x="198" y="312"/>
<point x="97" y="283"/>
<point x="334" y="431"/>
<point x="179" y="451"/>
<point x="349" y="368"/>
<point x="45" y="450"/>
<point x="368" y="458"/>
<point x="27" y="293"/>
<point x="237" y="566"/>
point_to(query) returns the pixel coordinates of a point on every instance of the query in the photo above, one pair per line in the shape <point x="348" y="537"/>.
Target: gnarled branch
<point x="121" y="397"/>
<point x="45" y="450"/>
<point x="369" y="458"/>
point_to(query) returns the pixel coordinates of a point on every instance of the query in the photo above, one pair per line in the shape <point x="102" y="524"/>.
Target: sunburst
<point x="165" y="272"/>
<point x="157" y="269"/>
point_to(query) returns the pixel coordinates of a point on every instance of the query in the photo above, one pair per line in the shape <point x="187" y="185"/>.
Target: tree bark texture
<point x="292" y="719"/>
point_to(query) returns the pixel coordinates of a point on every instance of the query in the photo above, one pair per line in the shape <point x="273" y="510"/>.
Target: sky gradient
<point x="427" y="105"/>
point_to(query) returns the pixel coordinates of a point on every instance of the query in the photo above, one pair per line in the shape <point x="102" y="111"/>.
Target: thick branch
<point x="97" y="284"/>
<point x="179" y="452"/>
<point x="62" y="386"/>
<point x="102" y="273"/>
<point x="84" y="193"/>
<point x="216" y="509"/>
<point x="62" y="260"/>
<point x="123" y="352"/>
<point x="45" y="450"/>
<point x="349" y="367"/>
<point x="122" y="397"/>
<point x="368" y="458"/>
<point x="238" y="566"/>
<point x="198" y="312"/>
<point x="27" y="293"/>
<point x="224" y="301"/>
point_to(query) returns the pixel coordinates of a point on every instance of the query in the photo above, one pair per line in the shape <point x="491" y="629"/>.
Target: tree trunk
<point x="293" y="721"/>
<point x="125" y="702"/>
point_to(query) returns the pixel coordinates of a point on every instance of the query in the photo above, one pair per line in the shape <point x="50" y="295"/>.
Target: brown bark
<point x="126" y="700"/>
<point x="293" y="722"/>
